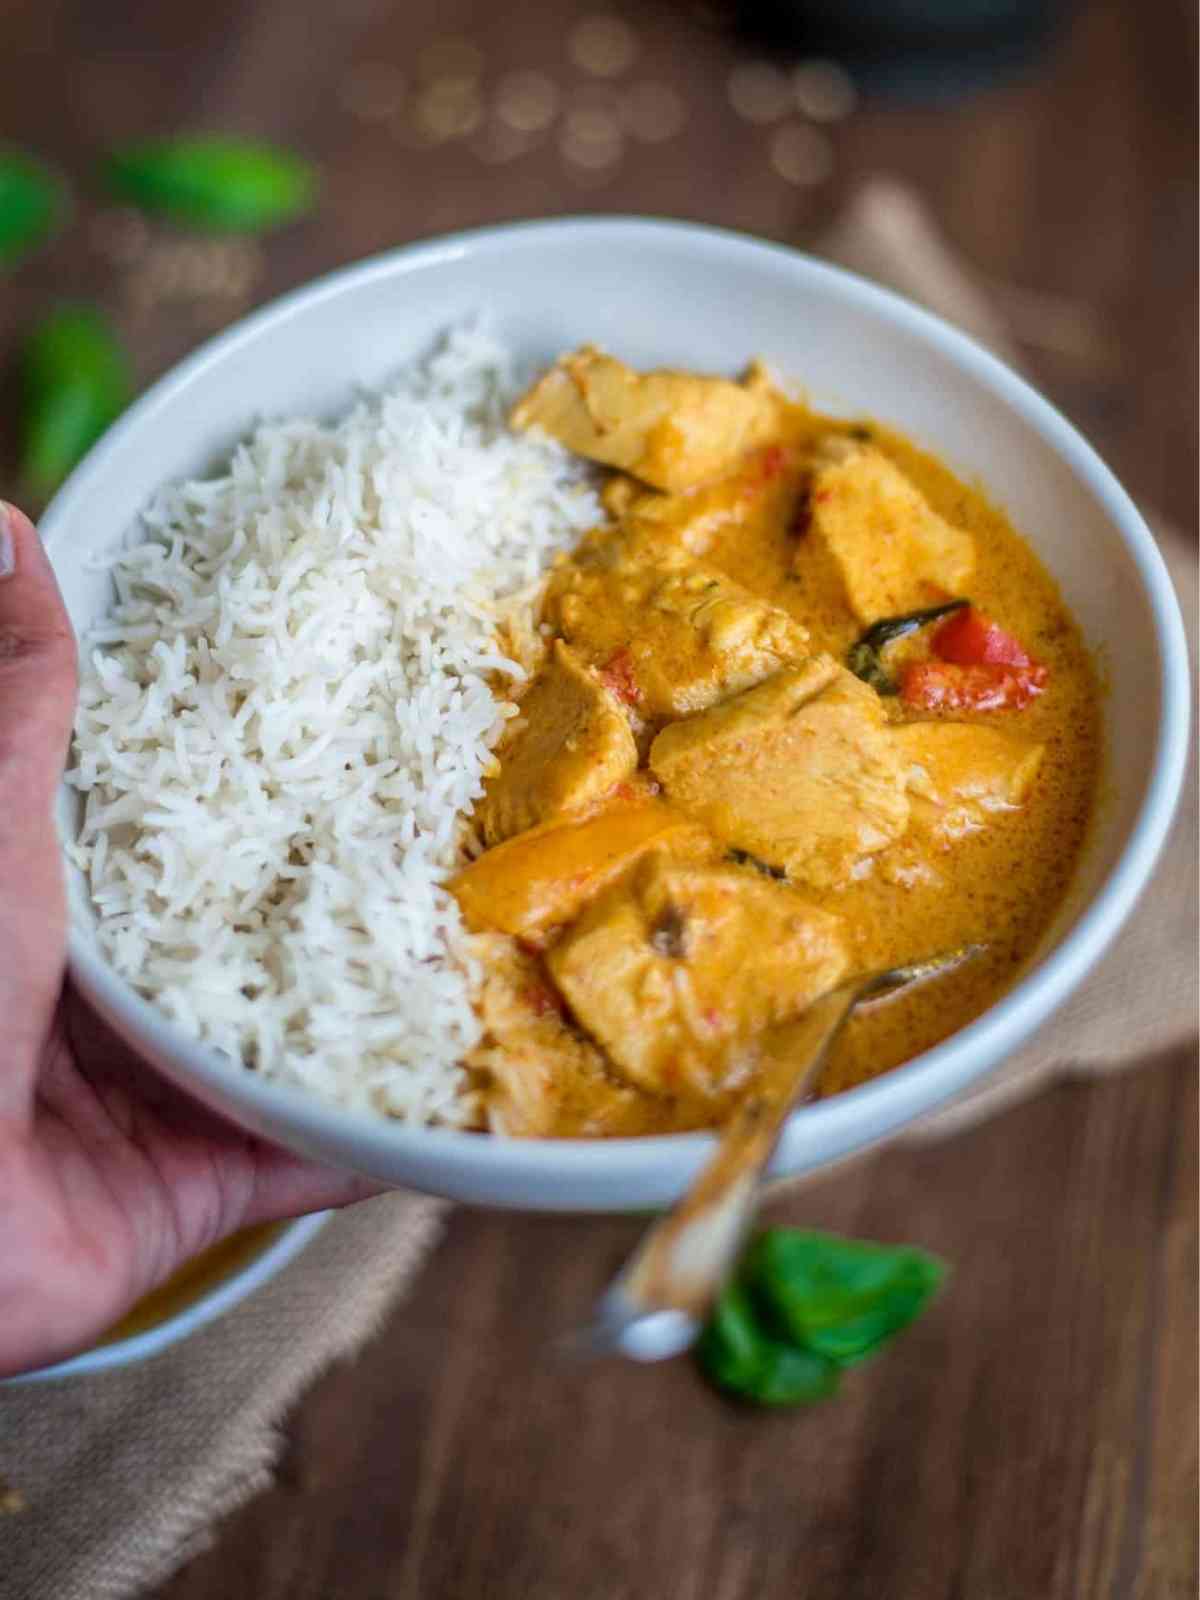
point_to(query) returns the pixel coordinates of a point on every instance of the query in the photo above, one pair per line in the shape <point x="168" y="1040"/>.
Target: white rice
<point x="287" y="714"/>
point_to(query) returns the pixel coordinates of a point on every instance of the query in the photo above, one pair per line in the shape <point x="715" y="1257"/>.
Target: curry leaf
<point x="840" y="1298"/>
<point x="214" y="182"/>
<point x="865" y="658"/>
<point x="76" y="379"/>
<point x="804" y="1305"/>
<point x="32" y="204"/>
<point x="743" y="858"/>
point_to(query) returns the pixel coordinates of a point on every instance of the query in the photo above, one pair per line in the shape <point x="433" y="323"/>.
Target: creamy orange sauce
<point x="999" y="884"/>
<point x="1004" y="884"/>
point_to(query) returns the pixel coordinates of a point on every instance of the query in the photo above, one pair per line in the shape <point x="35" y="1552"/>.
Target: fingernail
<point x="8" y="555"/>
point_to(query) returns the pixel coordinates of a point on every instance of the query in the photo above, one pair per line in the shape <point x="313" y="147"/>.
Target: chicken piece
<point x="959" y="774"/>
<point x="542" y="1078"/>
<point x="799" y="772"/>
<point x="894" y="552"/>
<point x="658" y="525"/>
<point x="670" y="429"/>
<point x="618" y="492"/>
<point x="687" y="634"/>
<point x="541" y="878"/>
<point x="572" y="744"/>
<point x="676" y="972"/>
<point x="723" y="521"/>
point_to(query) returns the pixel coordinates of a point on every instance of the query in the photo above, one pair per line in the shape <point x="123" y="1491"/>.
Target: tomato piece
<point x="980" y="666"/>
<point x="971" y="639"/>
<point x="947" y="686"/>
<point x="617" y="676"/>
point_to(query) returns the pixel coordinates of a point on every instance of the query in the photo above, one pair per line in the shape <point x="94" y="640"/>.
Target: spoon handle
<point x="657" y="1304"/>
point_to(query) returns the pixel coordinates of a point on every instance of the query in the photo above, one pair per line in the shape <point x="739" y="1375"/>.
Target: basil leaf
<point x="214" y="182"/>
<point x="865" y="657"/>
<point x="837" y="1298"/>
<point x="793" y="1377"/>
<point x="803" y="1305"/>
<point x="739" y="1355"/>
<point x="730" y="1347"/>
<point x="76" y="379"/>
<point x="32" y="204"/>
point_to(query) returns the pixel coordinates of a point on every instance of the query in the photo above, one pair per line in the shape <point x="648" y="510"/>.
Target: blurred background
<point x="1036" y="157"/>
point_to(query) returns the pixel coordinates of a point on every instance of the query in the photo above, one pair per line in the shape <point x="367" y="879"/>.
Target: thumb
<point x="37" y="703"/>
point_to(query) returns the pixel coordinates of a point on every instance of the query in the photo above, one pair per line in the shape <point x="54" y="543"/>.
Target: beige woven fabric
<point x="125" y="1474"/>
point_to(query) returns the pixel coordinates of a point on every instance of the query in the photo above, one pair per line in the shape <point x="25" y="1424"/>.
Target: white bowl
<point x="229" y="1290"/>
<point x="667" y="293"/>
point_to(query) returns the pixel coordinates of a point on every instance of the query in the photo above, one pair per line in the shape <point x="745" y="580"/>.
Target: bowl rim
<point x="882" y="1103"/>
<point x="229" y="1290"/>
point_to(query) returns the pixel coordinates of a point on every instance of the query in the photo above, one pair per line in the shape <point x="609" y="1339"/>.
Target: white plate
<point x="667" y="293"/>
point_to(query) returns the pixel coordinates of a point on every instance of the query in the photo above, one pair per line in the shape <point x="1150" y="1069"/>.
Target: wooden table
<point x="1035" y="1436"/>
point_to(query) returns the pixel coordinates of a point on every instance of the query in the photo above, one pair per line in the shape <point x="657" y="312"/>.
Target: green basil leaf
<point x="32" y="204"/>
<point x="837" y="1298"/>
<point x="789" y="1376"/>
<point x="214" y="182"/>
<point x="739" y="1355"/>
<point x="731" y="1346"/>
<point x="76" y="380"/>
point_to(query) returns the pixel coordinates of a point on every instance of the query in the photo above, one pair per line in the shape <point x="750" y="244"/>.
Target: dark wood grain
<point x="1035" y="1437"/>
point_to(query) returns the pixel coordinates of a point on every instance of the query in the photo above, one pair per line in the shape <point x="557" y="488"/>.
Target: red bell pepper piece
<point x="971" y="639"/>
<point x="948" y="686"/>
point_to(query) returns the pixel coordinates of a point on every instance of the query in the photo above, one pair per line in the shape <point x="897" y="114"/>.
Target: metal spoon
<point x="657" y="1304"/>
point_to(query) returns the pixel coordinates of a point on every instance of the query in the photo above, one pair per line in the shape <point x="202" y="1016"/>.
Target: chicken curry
<point x="804" y="705"/>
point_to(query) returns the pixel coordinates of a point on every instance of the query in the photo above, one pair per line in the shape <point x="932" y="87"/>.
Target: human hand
<point x="109" y="1179"/>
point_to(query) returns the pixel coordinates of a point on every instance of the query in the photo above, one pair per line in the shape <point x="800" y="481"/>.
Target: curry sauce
<point x="1002" y="884"/>
<point x="708" y="819"/>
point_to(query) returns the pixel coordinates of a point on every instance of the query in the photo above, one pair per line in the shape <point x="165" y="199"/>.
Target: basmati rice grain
<point x="288" y="713"/>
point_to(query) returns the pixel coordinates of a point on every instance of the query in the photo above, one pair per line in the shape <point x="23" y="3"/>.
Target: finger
<point x="288" y="1186"/>
<point x="216" y="1177"/>
<point x="37" y="663"/>
<point x="37" y="702"/>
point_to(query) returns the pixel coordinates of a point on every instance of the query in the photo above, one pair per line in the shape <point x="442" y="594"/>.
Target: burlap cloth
<point x="124" y="1474"/>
